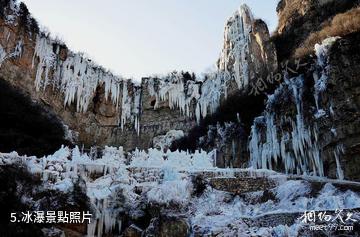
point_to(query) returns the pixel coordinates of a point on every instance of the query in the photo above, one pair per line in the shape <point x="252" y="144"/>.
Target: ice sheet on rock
<point x="15" y="53"/>
<point x="338" y="152"/>
<point x="136" y="108"/>
<point x="125" y="105"/>
<point x="297" y="148"/>
<point x="234" y="57"/>
<point x="321" y="50"/>
<point x="321" y="75"/>
<point x="163" y="142"/>
<point x="173" y="189"/>
<point x="216" y="211"/>
<point x="212" y="91"/>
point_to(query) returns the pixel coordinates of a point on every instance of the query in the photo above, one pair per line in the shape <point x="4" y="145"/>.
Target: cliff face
<point x="340" y="135"/>
<point x="298" y="124"/>
<point x="96" y="107"/>
<point x="247" y="52"/>
<point x="100" y="108"/>
<point x="309" y="124"/>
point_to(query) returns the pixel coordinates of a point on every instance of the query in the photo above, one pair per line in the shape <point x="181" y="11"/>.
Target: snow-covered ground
<point x="165" y="180"/>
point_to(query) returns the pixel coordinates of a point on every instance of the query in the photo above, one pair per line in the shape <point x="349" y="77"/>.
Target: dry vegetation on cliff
<point x="290" y="9"/>
<point x="341" y="25"/>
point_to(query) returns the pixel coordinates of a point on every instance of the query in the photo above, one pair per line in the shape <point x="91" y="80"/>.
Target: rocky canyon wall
<point x="98" y="108"/>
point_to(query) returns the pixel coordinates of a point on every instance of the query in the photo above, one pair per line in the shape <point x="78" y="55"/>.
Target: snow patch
<point x="163" y="142"/>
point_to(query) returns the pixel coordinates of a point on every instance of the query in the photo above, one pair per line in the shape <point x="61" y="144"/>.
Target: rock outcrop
<point x="247" y="52"/>
<point x="299" y="18"/>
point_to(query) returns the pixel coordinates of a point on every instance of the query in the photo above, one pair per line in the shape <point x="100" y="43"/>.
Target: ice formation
<point x="296" y="148"/>
<point x="321" y="77"/>
<point x="213" y="214"/>
<point x="205" y="95"/>
<point x="304" y="155"/>
<point x="236" y="49"/>
<point x="165" y="178"/>
<point x="164" y="142"/>
<point x="193" y="98"/>
<point x="339" y="150"/>
<point x="78" y="78"/>
<point x="12" y="12"/>
<point x="2" y="55"/>
<point x="15" y="53"/>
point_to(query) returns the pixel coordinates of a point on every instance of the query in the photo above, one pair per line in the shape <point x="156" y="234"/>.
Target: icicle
<point x="125" y="106"/>
<point x="136" y="108"/>
<point x="236" y="46"/>
<point x="211" y="91"/>
<point x="17" y="52"/>
<point x="339" y="150"/>
<point x="321" y="76"/>
<point x="44" y="51"/>
<point x="2" y="55"/>
<point x="77" y="77"/>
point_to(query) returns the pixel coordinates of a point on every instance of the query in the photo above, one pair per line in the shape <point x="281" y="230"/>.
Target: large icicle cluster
<point x="78" y="78"/>
<point x="173" y="88"/>
<point x="109" y="176"/>
<point x="298" y="147"/>
<point x="292" y="141"/>
<point x="207" y="94"/>
<point x="190" y="96"/>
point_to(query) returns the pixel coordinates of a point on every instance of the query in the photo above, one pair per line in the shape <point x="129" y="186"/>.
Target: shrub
<point x="341" y="25"/>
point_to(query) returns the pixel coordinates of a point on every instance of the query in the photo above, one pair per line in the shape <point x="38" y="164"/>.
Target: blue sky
<point x="136" y="38"/>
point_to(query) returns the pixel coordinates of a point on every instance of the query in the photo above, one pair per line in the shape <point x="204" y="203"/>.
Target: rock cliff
<point x="99" y="108"/>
